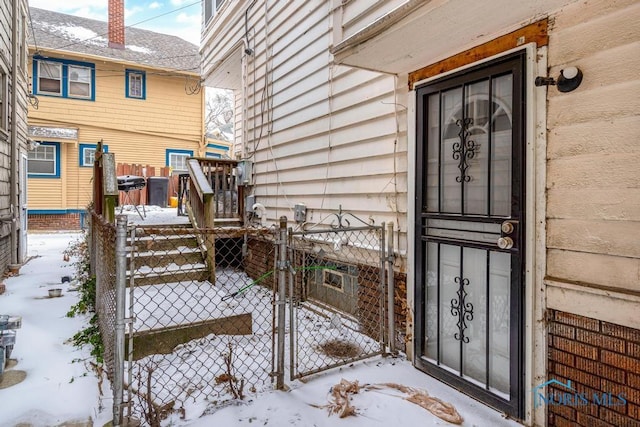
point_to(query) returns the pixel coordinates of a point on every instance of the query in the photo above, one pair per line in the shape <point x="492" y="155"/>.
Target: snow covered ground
<point x="59" y="389"/>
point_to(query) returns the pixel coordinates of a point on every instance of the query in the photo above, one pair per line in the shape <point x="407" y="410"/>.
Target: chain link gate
<point x="337" y="295"/>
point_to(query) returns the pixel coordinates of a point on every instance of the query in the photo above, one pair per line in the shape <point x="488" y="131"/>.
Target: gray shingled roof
<point x="69" y="33"/>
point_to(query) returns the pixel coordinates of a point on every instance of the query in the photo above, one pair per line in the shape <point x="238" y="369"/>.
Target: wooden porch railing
<point x="214" y="197"/>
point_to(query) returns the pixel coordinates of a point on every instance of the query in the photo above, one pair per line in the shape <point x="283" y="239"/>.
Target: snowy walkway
<point x="58" y="390"/>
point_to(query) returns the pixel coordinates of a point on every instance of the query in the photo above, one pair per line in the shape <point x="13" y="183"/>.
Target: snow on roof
<point x="59" y="31"/>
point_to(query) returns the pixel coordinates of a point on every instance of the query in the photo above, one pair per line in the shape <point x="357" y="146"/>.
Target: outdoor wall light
<point x="568" y="80"/>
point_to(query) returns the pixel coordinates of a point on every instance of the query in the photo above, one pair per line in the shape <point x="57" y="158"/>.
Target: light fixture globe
<point x="569" y="79"/>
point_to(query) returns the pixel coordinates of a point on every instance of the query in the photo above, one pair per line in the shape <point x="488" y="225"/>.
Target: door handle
<point x="508" y="234"/>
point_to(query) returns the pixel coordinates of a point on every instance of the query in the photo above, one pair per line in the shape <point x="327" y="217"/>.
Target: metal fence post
<point x="121" y="277"/>
<point x="282" y="267"/>
<point x="391" y="289"/>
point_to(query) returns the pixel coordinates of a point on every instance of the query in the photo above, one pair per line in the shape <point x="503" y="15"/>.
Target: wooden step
<point x="177" y="276"/>
<point x="164" y="243"/>
<point x="165" y="258"/>
<point x="164" y="340"/>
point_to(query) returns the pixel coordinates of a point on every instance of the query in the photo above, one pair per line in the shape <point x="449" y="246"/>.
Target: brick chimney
<point x="116" y="24"/>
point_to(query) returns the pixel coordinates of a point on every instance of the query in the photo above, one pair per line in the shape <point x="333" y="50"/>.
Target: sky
<point x="176" y="17"/>
<point x="59" y="388"/>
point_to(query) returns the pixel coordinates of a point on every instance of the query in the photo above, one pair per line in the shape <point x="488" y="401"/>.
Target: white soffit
<point x="436" y="30"/>
<point x="227" y="74"/>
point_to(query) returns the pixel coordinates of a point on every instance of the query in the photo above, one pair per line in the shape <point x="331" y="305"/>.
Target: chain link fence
<point x="102" y="241"/>
<point x="103" y="250"/>
<point x="337" y="284"/>
<point x="202" y="330"/>
<point x="202" y="324"/>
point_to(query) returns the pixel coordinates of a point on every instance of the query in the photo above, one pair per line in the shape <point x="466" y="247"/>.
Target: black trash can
<point x="158" y="191"/>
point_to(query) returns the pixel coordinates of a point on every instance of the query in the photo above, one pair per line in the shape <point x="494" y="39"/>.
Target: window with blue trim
<point x="44" y="160"/>
<point x="136" y="84"/>
<point x="64" y="78"/>
<point x="87" y="153"/>
<point x="177" y="159"/>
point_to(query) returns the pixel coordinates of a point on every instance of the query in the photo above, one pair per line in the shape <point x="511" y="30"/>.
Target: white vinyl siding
<point x="321" y="134"/>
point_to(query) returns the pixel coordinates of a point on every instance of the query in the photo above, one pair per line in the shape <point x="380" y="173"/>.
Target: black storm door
<point x="470" y="232"/>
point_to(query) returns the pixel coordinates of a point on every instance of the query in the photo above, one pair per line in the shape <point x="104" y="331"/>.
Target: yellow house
<point x="135" y="90"/>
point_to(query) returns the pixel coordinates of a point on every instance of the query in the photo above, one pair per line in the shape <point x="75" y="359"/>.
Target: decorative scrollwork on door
<point x="462" y="310"/>
<point x="465" y="149"/>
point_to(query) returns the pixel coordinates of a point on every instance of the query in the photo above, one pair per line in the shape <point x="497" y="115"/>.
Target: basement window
<point x="333" y="280"/>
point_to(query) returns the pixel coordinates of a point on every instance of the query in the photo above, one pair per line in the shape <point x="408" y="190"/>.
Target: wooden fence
<point x="140" y="197"/>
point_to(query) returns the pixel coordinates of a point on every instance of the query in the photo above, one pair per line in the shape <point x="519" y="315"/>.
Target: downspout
<point x="14" y="204"/>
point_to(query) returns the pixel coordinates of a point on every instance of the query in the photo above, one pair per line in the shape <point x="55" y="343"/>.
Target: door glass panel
<point x="449" y="271"/>
<point x="432" y="182"/>
<point x="431" y="292"/>
<point x="476" y="148"/>
<point x="452" y="112"/>
<point x="499" y="322"/>
<point x="501" y="137"/>
<point x="475" y="314"/>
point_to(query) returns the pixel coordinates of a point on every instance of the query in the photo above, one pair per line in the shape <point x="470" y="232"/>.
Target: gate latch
<point x="286" y="265"/>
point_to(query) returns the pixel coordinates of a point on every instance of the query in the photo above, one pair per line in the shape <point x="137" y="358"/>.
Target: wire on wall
<point x="192" y="86"/>
<point x="267" y="106"/>
<point x="33" y="33"/>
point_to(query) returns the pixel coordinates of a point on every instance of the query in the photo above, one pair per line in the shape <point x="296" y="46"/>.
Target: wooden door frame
<point x="535" y="346"/>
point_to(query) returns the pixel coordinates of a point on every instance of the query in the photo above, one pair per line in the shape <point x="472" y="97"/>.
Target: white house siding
<point x="320" y="134"/>
<point x="593" y="184"/>
<point x="590" y="255"/>
<point x="358" y="14"/>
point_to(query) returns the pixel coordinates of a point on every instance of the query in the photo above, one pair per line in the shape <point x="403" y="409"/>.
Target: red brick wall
<point x="401" y="309"/>
<point x="598" y="357"/>
<point x="259" y="260"/>
<point x="369" y="304"/>
<point x="70" y="221"/>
